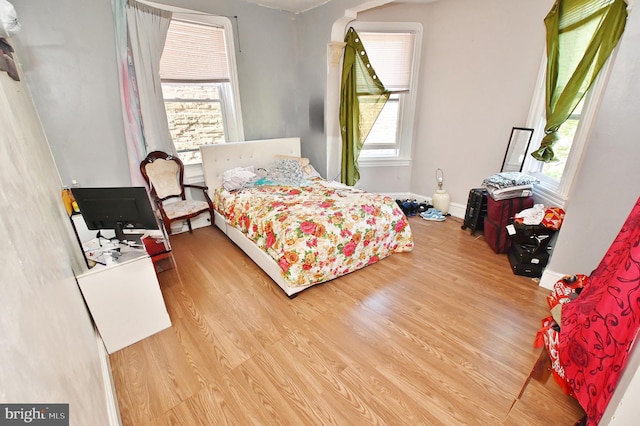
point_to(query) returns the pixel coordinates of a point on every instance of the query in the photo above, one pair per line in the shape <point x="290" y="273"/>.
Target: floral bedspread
<point x="317" y="232"/>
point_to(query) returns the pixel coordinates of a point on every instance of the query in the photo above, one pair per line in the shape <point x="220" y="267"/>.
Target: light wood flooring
<point x="439" y="336"/>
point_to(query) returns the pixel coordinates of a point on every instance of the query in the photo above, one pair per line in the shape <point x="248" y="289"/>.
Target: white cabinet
<point x="125" y="300"/>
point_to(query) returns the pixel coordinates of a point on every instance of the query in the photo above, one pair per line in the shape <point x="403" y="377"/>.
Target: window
<point x="556" y="177"/>
<point x="562" y="148"/>
<point x="393" y="50"/>
<point x="581" y="40"/>
<point x="199" y="85"/>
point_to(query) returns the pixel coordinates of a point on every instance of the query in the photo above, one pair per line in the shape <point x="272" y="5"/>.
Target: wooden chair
<point x="164" y="174"/>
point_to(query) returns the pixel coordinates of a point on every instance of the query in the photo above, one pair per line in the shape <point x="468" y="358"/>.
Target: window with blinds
<point x="194" y="52"/>
<point x="391" y="55"/>
<point x="393" y="50"/>
<point x="197" y="84"/>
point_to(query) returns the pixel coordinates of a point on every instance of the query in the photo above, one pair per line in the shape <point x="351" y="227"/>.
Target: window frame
<point x="549" y="191"/>
<point x="229" y="92"/>
<point x="406" y="124"/>
<point x="221" y="101"/>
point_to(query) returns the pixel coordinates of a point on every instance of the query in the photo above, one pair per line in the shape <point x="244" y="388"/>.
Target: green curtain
<point x="362" y="97"/>
<point x="581" y="34"/>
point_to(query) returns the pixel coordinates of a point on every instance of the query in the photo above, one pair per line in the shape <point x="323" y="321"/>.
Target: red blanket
<point x="599" y="326"/>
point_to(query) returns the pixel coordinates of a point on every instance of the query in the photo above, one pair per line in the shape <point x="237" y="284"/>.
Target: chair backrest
<point x="164" y="173"/>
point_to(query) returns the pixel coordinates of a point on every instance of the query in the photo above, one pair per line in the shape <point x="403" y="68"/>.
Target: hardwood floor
<point x="439" y="336"/>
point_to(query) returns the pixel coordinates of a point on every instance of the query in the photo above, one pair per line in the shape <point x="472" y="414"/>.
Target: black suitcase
<point x="523" y="255"/>
<point x="476" y="210"/>
<point x="525" y="265"/>
<point x="533" y="238"/>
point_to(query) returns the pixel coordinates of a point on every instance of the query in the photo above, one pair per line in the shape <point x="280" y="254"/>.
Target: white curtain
<point x="148" y="28"/>
<point x="134" y="139"/>
<point x="140" y="34"/>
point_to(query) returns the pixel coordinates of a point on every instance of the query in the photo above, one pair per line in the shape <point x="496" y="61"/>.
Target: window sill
<point x="549" y="195"/>
<point x="384" y="162"/>
<point x="193" y="173"/>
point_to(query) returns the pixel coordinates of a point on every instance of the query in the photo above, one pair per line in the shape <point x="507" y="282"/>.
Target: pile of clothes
<point x="506" y="185"/>
<point x="540" y="215"/>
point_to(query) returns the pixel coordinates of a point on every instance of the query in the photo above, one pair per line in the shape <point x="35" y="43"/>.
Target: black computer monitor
<point x="117" y="208"/>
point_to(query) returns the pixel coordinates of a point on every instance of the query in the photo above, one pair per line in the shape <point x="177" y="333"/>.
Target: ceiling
<point x="294" y="6"/>
<point x="299" y="6"/>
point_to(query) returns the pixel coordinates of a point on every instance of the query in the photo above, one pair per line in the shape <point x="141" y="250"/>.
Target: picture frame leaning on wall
<point x="517" y="148"/>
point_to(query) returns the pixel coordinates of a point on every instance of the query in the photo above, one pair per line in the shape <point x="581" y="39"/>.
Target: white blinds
<point x="194" y="52"/>
<point x="391" y="55"/>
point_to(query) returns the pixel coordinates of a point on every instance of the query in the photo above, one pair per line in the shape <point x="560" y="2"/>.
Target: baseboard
<point x="455" y="209"/>
<point x="113" y="410"/>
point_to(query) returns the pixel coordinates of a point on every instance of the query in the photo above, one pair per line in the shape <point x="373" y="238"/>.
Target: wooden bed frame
<point x="216" y="159"/>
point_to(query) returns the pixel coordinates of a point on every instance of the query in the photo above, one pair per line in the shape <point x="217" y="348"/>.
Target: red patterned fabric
<point x="553" y="218"/>
<point x="566" y="289"/>
<point x="548" y="337"/>
<point x="599" y="326"/>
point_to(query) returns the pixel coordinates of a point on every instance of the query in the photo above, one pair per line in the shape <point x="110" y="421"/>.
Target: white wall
<point x="48" y="348"/>
<point x="479" y="65"/>
<point x="606" y="187"/>
<point x="605" y="190"/>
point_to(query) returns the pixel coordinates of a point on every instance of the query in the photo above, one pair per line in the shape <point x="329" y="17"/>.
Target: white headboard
<point x="216" y="159"/>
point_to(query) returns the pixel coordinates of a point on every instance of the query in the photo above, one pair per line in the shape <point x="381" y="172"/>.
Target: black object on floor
<point x="476" y="210"/>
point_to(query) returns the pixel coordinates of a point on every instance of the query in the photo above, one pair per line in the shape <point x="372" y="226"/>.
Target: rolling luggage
<point x="496" y="236"/>
<point x="501" y="212"/>
<point x="476" y="210"/>
<point x="499" y="215"/>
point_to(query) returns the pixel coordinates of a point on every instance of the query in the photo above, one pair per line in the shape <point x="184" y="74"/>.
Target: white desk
<point x="125" y="300"/>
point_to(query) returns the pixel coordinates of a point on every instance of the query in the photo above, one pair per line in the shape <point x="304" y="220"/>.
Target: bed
<point x="300" y="235"/>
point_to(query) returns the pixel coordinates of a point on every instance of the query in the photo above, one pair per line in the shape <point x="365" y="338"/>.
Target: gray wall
<point x="314" y="33"/>
<point x="71" y="69"/>
<point x="477" y="82"/>
<point x="469" y="53"/>
<point x="70" y="66"/>
<point x="48" y="348"/>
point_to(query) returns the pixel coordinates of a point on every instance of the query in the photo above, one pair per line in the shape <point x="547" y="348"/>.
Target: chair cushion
<point x="184" y="208"/>
<point x="163" y="175"/>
